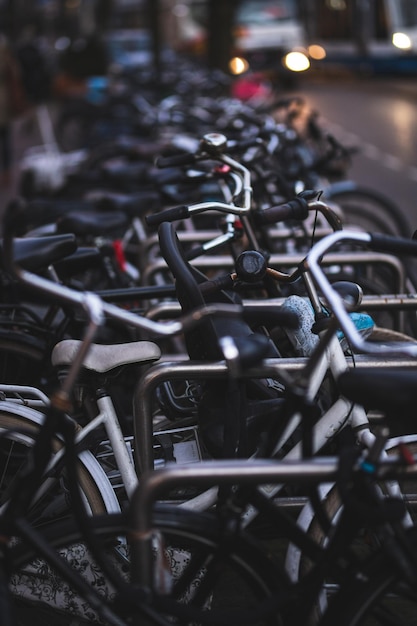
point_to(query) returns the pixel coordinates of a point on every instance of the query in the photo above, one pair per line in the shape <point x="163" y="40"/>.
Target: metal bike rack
<point x="225" y="262"/>
<point x="207" y="474"/>
<point x="386" y="302"/>
<point x="161" y="372"/>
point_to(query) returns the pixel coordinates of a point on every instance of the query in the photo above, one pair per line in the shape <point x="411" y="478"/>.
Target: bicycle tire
<point x="388" y="335"/>
<point x="19" y="427"/>
<point x="332" y="506"/>
<point x="24" y="355"/>
<point x="371" y="211"/>
<point x="368" y="209"/>
<point x="232" y="578"/>
<point x="379" y="596"/>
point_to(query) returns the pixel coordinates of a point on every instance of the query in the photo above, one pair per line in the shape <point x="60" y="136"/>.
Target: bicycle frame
<point x="154" y="485"/>
<point x="326" y="345"/>
<point x="329" y="357"/>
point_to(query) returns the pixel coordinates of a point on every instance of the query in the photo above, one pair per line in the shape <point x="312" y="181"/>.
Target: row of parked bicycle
<point x="207" y="392"/>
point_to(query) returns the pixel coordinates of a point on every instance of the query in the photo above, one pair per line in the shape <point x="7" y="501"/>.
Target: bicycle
<point x="215" y="145"/>
<point x="144" y="434"/>
<point x="200" y="543"/>
<point x="14" y="521"/>
<point x="121" y="315"/>
<point x="301" y="601"/>
<point x="306" y="218"/>
<point x="357" y="500"/>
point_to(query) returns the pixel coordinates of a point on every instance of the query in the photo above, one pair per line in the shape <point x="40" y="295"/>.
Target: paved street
<point x="379" y="118"/>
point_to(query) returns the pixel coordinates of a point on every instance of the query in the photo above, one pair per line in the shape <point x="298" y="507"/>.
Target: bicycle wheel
<point x="371" y="211"/>
<point x="389" y="336"/>
<point x="366" y="543"/>
<point x="24" y="350"/>
<point x="230" y="576"/>
<point x="379" y="596"/>
<point x="368" y="209"/>
<point x="19" y="427"/>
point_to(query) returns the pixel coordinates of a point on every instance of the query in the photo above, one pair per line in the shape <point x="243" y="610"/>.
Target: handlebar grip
<point x="296" y="209"/>
<point x="167" y="215"/>
<point x="271" y="317"/>
<point x="393" y="245"/>
<point x="175" y="160"/>
<point x="195" y="252"/>
<point x="216" y="284"/>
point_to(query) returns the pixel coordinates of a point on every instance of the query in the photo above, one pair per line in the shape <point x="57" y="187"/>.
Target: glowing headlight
<point x="238" y="65"/>
<point x="317" y="52"/>
<point x="296" y="61"/>
<point x="401" y="40"/>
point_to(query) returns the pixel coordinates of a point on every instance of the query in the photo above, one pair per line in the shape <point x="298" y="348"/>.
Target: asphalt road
<point x="379" y="117"/>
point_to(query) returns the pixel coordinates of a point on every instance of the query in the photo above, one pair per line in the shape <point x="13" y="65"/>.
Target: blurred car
<point x="269" y="35"/>
<point x="266" y="31"/>
<point x="267" y="23"/>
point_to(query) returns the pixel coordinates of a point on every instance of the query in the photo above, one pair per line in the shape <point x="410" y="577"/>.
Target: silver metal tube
<point x="223" y="261"/>
<point x="314" y="262"/>
<point x="205" y="474"/>
<point x="157" y="374"/>
<point x="208" y="473"/>
<point x="386" y="302"/>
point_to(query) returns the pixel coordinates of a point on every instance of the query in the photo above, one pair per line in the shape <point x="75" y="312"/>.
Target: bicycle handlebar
<point x="97" y="308"/>
<point x="168" y="215"/>
<point x="378" y="243"/>
<point x="296" y="209"/>
<point x="212" y="146"/>
<point x="392" y="245"/>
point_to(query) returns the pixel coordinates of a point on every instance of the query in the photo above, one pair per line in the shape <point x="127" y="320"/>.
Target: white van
<point x="265" y="31"/>
<point x="268" y="24"/>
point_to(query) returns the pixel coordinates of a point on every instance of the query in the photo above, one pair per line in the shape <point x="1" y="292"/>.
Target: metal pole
<point x="155" y="28"/>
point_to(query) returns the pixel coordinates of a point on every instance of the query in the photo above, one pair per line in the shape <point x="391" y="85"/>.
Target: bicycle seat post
<point x="94" y="308"/>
